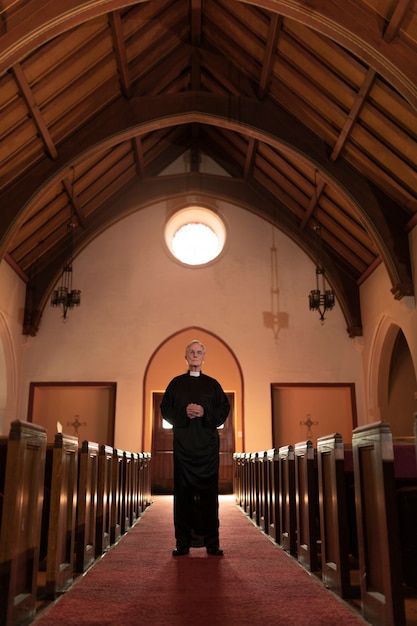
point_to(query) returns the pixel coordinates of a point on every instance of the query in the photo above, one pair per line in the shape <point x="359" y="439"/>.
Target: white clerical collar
<point x="194" y="373"/>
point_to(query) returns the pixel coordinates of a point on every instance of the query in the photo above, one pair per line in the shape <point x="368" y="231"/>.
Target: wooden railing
<point x="347" y="512"/>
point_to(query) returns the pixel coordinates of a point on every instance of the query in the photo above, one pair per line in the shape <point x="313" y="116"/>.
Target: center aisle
<point x="139" y="581"/>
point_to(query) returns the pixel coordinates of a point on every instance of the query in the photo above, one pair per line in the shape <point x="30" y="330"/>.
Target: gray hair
<point x="188" y="346"/>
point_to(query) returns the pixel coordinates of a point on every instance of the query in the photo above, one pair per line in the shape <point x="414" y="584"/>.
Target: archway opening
<point x="168" y="361"/>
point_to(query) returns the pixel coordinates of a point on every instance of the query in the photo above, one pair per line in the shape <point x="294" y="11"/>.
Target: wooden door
<point x="162" y="450"/>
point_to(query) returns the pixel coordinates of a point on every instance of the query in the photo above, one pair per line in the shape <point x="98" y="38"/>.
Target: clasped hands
<point x="194" y="410"/>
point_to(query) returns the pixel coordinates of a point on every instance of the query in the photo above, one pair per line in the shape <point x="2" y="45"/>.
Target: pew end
<point x="85" y="536"/>
<point x="338" y="527"/>
<point x="307" y="505"/>
<point x="287" y="504"/>
<point x="60" y="559"/>
<point x="22" y="468"/>
<point x="381" y="576"/>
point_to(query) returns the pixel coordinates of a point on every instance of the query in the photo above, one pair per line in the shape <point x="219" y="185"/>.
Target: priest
<point x="196" y="405"/>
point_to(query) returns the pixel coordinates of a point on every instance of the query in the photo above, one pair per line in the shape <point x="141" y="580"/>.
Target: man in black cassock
<point x="195" y="405"/>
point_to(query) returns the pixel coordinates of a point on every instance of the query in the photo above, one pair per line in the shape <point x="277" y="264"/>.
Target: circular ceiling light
<point x="195" y="235"/>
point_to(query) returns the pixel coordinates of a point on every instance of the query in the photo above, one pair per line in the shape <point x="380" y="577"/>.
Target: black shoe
<point x="180" y="551"/>
<point x="214" y="551"/>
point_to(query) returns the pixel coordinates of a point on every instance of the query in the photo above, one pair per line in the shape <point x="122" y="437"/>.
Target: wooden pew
<point x="307" y="505"/>
<point x="135" y="508"/>
<point x="145" y="480"/>
<point x="61" y="480"/>
<point x="137" y="502"/>
<point x="287" y="505"/>
<point x="263" y="482"/>
<point x="85" y="536"/>
<point x="337" y="515"/>
<point x="104" y="495"/>
<point x="140" y="484"/>
<point x="272" y="456"/>
<point x="116" y="496"/>
<point x="379" y="543"/>
<point x="242" y="479"/>
<point x="254" y="488"/>
<point x="22" y="468"/>
<point x="245" y="481"/>
<point x="248" y="484"/>
<point x="147" y="457"/>
<point x="237" y="478"/>
<point x="126" y="491"/>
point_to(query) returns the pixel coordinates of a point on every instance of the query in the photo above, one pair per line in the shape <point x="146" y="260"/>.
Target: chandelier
<point x="321" y="298"/>
<point x="65" y="296"/>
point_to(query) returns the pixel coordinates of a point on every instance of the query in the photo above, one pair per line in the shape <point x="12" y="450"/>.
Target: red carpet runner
<point x="139" y="582"/>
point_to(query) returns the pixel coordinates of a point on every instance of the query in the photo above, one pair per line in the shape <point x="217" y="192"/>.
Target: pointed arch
<point x="7" y="375"/>
<point x="167" y="360"/>
<point x="384" y="377"/>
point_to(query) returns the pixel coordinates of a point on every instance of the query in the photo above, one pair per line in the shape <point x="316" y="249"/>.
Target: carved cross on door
<point x="309" y="423"/>
<point x="76" y="424"/>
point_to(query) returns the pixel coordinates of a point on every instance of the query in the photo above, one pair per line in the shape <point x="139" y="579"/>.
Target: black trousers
<point x="196" y="512"/>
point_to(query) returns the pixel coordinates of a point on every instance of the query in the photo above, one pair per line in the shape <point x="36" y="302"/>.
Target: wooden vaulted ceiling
<point x="308" y="107"/>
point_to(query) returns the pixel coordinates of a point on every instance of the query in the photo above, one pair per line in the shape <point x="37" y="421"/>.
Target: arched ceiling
<point x="309" y="107"/>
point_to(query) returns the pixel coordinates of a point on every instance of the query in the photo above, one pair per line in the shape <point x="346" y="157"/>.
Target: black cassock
<point x="196" y="457"/>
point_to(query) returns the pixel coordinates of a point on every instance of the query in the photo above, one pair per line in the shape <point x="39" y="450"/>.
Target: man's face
<point x="194" y="355"/>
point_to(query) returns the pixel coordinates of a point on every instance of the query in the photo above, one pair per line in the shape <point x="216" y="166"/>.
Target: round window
<point x="195" y="235"/>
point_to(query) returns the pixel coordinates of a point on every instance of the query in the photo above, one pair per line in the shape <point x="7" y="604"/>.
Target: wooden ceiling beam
<point x="196" y="22"/>
<point x="318" y="188"/>
<point x="396" y="19"/>
<point x="195" y="78"/>
<point x="353" y="114"/>
<point x="120" y="53"/>
<point x="34" y="111"/>
<point x="139" y="157"/>
<point x="270" y="51"/>
<point x="195" y="156"/>
<point x="250" y="158"/>
<point x="74" y="201"/>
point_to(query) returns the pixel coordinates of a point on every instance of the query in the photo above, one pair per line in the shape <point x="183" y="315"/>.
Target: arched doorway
<point x="169" y="361"/>
<point x="162" y="451"/>
<point x="393" y="379"/>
